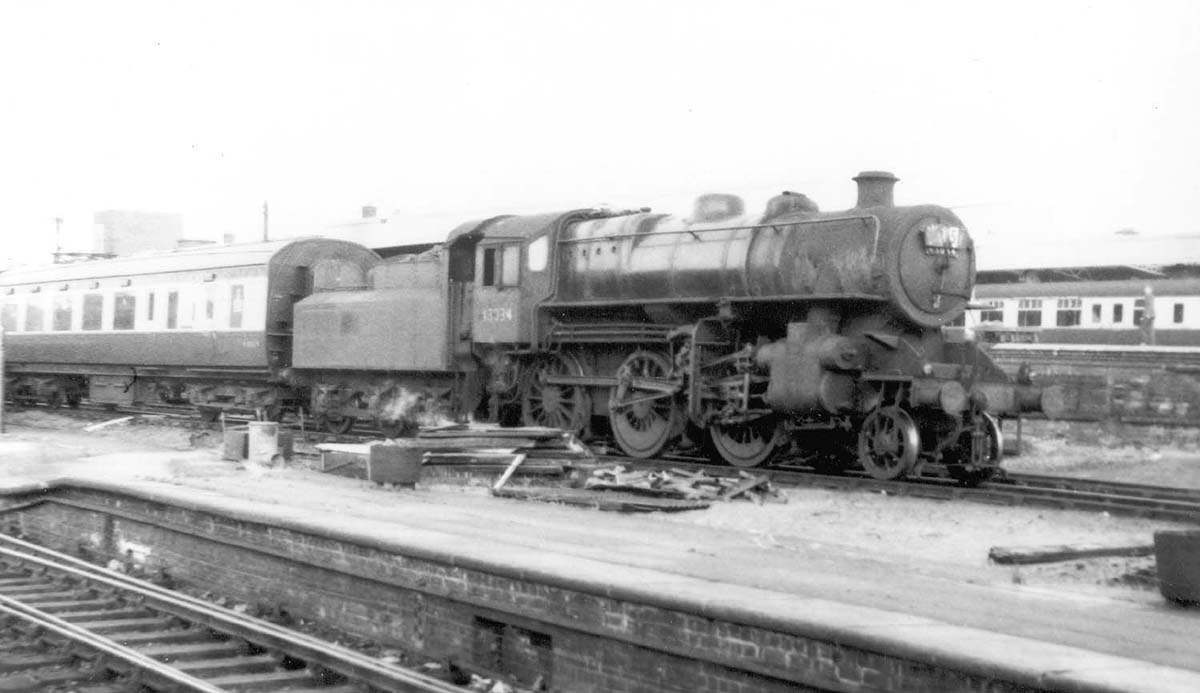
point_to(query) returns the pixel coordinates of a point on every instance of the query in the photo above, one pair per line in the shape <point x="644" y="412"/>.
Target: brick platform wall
<point x="576" y="640"/>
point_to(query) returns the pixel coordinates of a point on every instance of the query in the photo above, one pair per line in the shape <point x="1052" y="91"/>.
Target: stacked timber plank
<point x="491" y="448"/>
<point x="465" y="450"/>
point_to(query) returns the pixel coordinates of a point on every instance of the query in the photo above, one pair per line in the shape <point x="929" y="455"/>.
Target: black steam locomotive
<point x="746" y="334"/>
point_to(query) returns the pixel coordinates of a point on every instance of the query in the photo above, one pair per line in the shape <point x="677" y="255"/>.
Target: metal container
<point x="262" y="441"/>
<point x="396" y="464"/>
<point x="1177" y="554"/>
<point x="235" y="443"/>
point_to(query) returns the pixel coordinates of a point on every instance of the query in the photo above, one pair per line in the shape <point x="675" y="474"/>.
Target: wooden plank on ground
<point x="517" y="460"/>
<point x="603" y="500"/>
<point x="1025" y="555"/>
<point x="747" y="484"/>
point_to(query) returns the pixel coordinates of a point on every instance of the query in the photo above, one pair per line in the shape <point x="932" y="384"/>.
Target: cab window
<point x="502" y="265"/>
<point x="538" y="254"/>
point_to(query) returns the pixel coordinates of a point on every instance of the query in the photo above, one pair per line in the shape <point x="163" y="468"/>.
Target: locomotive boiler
<point x="745" y="334"/>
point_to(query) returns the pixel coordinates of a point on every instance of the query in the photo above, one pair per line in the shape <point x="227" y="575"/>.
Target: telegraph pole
<point x="266" y="218"/>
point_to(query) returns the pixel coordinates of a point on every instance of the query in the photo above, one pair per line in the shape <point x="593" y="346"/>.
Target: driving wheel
<point x="643" y="420"/>
<point x="888" y="443"/>
<point x="746" y="444"/>
<point x="557" y="406"/>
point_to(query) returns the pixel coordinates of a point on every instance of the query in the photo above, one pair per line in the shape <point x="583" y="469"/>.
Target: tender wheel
<point x="56" y="399"/>
<point x="24" y="396"/>
<point x="557" y="406"/>
<point x="74" y="397"/>
<point x="209" y="414"/>
<point x="746" y="445"/>
<point x="888" y="443"/>
<point x="976" y="457"/>
<point x="337" y="424"/>
<point x="643" y="421"/>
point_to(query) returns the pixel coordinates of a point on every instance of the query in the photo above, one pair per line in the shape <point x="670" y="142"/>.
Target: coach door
<point x="498" y="291"/>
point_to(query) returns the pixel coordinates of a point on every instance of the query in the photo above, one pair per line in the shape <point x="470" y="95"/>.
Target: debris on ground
<point x="1025" y="555"/>
<point x="614" y="501"/>
<point x="684" y="484"/>
<point x="105" y="424"/>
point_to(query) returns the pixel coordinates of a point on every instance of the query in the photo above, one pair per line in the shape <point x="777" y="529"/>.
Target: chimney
<point x="368" y="211"/>
<point x="875" y="188"/>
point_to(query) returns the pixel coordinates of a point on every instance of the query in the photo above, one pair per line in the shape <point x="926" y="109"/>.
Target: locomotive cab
<point x="512" y="276"/>
<point x="497" y="310"/>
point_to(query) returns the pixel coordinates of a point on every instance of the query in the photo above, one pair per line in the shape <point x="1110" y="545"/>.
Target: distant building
<point x="123" y="232"/>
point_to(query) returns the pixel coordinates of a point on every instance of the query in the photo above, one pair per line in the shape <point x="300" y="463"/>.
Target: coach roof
<point x="190" y="259"/>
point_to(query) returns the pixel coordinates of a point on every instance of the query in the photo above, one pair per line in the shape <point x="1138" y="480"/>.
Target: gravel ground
<point x="901" y="530"/>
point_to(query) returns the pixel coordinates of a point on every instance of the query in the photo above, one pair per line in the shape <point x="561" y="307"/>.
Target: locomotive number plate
<point x="942" y="239"/>
<point x="497" y="314"/>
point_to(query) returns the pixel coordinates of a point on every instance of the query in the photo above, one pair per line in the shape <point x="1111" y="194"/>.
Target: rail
<point x="353" y="665"/>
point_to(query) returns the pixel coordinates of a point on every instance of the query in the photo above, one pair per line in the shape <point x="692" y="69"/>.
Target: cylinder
<point x="262" y="442"/>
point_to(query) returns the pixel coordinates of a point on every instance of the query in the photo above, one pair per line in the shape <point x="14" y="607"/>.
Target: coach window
<point x="35" y="316"/>
<point x="93" y="311"/>
<point x="1069" y="310"/>
<point x="210" y="303"/>
<point x="8" y="317"/>
<point x="188" y="304"/>
<point x="172" y="310"/>
<point x="1029" y="312"/>
<point x="124" y="310"/>
<point x="1177" y="318"/>
<point x="1118" y="313"/>
<point x="62" y="313"/>
<point x="237" y="304"/>
<point x="1097" y="310"/>
<point x="149" y="306"/>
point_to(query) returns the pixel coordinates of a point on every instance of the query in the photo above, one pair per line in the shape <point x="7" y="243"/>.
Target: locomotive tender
<point x="745" y="333"/>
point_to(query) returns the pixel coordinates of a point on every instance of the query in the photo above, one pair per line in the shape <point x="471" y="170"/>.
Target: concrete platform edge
<point x="1019" y="660"/>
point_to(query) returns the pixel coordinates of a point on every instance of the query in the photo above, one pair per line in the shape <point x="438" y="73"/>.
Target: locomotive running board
<point x="651" y="384"/>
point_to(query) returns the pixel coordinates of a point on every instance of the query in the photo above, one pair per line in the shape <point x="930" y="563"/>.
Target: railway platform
<point x="608" y="602"/>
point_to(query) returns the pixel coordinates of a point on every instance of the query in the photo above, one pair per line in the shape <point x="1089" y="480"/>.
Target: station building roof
<point x="1108" y="258"/>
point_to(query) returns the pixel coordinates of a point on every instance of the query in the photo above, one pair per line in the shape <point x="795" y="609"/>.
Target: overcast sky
<point x="1043" y="118"/>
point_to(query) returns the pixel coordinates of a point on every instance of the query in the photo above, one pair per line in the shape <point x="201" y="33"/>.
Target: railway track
<point x="1012" y="489"/>
<point x="1064" y="493"/>
<point x="69" y="623"/>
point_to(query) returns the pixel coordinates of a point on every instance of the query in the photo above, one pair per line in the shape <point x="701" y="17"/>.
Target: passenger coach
<point x="208" y="327"/>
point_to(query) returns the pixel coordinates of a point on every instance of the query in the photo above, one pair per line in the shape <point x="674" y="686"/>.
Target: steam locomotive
<point x="742" y="334"/>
